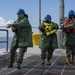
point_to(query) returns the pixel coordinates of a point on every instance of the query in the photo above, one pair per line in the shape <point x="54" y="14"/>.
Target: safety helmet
<point x="47" y="16"/>
<point x="71" y="12"/>
<point x="20" y="11"/>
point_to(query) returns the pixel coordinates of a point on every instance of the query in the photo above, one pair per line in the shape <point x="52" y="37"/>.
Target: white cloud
<point x="3" y="21"/>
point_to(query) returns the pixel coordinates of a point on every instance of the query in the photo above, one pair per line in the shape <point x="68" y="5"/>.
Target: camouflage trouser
<point x="70" y="51"/>
<point x="47" y="53"/>
<point x="20" y="54"/>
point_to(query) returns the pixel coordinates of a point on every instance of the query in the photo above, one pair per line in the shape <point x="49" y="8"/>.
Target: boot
<point x="43" y="61"/>
<point x="48" y="62"/>
<point x="10" y="65"/>
<point x="72" y="58"/>
<point x="69" y="60"/>
<point x="18" y="65"/>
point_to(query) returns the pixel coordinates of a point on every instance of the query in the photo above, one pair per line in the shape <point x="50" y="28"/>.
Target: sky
<point x="9" y="8"/>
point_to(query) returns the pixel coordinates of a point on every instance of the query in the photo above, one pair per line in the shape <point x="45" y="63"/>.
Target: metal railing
<point x="7" y="33"/>
<point x="6" y="38"/>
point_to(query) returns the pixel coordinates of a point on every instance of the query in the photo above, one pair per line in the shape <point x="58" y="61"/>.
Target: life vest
<point x="68" y="23"/>
<point x="48" y="29"/>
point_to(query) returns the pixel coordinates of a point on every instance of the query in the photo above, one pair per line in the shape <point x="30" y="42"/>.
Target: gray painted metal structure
<point x="61" y="20"/>
<point x="6" y="38"/>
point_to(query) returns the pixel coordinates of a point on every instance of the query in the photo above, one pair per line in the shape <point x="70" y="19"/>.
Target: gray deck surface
<point x="32" y="65"/>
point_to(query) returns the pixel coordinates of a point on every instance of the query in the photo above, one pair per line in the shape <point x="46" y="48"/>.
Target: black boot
<point x="72" y="58"/>
<point x="48" y="62"/>
<point x="43" y="62"/>
<point x="18" y="65"/>
<point x="69" y="60"/>
<point x="10" y="65"/>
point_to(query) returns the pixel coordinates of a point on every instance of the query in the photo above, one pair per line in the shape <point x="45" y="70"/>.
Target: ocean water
<point x="3" y="45"/>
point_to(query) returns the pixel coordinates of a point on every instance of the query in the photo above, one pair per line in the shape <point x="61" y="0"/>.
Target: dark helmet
<point x="20" y="11"/>
<point x="71" y="12"/>
<point x="47" y="17"/>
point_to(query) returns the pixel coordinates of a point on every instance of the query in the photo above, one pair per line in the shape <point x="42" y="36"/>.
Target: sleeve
<point x="70" y="26"/>
<point x="55" y="26"/>
<point x="41" y="27"/>
<point x="22" y="23"/>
